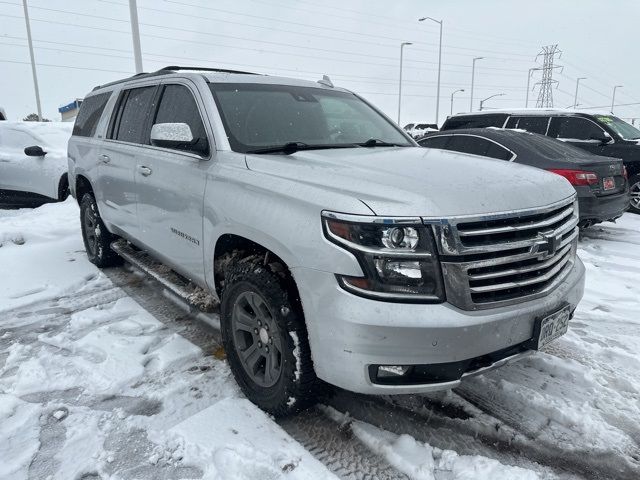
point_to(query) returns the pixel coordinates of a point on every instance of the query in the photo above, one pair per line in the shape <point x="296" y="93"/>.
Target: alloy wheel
<point x="90" y="224"/>
<point x="257" y="339"/>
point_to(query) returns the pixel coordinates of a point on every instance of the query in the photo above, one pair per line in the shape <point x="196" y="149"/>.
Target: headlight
<point x="398" y="257"/>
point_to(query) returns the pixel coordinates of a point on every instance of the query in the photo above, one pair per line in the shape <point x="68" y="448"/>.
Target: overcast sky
<point x="83" y="43"/>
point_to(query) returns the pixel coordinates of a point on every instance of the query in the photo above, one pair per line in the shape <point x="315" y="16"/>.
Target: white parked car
<point x="417" y="130"/>
<point x="33" y="162"/>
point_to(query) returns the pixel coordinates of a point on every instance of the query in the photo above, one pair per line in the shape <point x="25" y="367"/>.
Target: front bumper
<point x="348" y="333"/>
<point x="595" y="209"/>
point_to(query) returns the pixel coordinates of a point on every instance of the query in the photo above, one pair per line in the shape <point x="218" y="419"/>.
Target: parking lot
<point x="104" y="374"/>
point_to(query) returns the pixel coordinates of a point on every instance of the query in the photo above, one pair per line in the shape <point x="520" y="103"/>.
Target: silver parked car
<point x="33" y="162"/>
<point x="339" y="249"/>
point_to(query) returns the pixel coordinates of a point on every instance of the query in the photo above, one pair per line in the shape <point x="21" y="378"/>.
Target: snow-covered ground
<point x="98" y="381"/>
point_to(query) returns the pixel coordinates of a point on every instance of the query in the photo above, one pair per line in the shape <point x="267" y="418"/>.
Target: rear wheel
<point x="634" y="190"/>
<point x="265" y="339"/>
<point x="97" y="239"/>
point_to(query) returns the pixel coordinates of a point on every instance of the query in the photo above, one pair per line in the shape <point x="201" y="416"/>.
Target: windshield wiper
<point x="293" y="147"/>
<point x="374" y="142"/>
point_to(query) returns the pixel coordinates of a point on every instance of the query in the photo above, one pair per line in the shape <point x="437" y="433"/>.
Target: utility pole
<point x="402" y="45"/>
<point x="575" y="98"/>
<point x="473" y="77"/>
<point x="613" y="98"/>
<point x="33" y="60"/>
<point x="531" y="70"/>
<point x="439" y="64"/>
<point x="452" y="94"/>
<point x="135" y="33"/>
<point x="545" y="96"/>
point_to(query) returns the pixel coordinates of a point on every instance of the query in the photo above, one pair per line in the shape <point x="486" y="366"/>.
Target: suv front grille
<point x="507" y="258"/>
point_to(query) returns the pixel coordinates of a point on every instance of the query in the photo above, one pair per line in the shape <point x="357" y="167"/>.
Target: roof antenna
<point x="326" y="81"/>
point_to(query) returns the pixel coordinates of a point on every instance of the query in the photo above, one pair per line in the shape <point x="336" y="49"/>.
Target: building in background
<point x="70" y="110"/>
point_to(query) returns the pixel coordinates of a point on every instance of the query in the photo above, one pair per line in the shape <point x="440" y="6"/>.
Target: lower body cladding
<point x="365" y="345"/>
<point x="595" y="209"/>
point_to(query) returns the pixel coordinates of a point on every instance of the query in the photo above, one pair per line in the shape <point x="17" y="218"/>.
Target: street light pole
<point x="473" y="76"/>
<point x="613" y="98"/>
<point x="402" y="45"/>
<point x="33" y="60"/>
<point x="531" y="70"/>
<point x="439" y="22"/>
<point x="452" y="94"/>
<point x="135" y="33"/>
<point x="496" y="95"/>
<point x="575" y="98"/>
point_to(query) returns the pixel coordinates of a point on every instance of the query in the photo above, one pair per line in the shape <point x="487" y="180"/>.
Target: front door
<point x="580" y="132"/>
<point x="171" y="183"/>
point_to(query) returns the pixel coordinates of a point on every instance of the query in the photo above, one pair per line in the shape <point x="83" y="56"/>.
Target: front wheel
<point x="265" y="339"/>
<point x="634" y="191"/>
<point x="97" y="239"/>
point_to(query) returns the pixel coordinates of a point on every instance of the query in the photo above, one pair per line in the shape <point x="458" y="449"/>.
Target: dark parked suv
<point x="600" y="182"/>
<point x="601" y="134"/>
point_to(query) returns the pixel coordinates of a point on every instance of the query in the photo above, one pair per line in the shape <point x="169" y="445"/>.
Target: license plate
<point x="609" y="183"/>
<point x="554" y="326"/>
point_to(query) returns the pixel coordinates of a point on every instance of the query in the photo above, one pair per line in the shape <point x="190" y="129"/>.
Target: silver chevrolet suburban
<point x="339" y="250"/>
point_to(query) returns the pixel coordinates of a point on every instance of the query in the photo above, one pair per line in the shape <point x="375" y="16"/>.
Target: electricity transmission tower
<point x="545" y="95"/>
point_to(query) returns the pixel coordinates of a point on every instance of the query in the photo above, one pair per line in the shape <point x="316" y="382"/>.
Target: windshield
<point x="259" y="116"/>
<point x="622" y="128"/>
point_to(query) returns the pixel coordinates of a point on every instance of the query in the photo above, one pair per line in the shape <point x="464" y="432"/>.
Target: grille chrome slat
<point x="507" y="258"/>
<point x="523" y="283"/>
<point x="515" y="271"/>
<point x="517" y="228"/>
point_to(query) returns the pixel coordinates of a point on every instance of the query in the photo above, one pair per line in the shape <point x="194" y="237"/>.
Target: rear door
<point x="126" y="138"/>
<point x="171" y="183"/>
<point x="578" y="131"/>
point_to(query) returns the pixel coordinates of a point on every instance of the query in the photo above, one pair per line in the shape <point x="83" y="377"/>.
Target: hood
<point x="414" y="181"/>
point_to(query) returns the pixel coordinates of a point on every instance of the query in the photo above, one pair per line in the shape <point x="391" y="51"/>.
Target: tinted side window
<point x="435" y="142"/>
<point x="177" y="105"/>
<point x="133" y="115"/>
<point x="530" y="124"/>
<point x="474" y="121"/>
<point x="468" y="144"/>
<point x="576" y="128"/>
<point x="89" y="115"/>
<point x="496" y="151"/>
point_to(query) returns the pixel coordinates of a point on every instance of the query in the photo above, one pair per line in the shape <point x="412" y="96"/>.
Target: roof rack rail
<point x="167" y="71"/>
<point x="176" y="68"/>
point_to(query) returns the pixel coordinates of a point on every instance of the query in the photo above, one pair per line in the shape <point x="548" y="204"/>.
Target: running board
<point x="187" y="291"/>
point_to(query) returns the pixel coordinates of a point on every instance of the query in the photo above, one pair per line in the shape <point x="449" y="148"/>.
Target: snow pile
<point x="421" y="461"/>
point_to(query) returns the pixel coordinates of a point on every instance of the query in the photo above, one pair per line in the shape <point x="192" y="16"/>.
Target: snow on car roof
<point x="536" y="111"/>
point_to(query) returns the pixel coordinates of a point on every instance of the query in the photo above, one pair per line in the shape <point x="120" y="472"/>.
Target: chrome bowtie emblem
<point x="547" y="243"/>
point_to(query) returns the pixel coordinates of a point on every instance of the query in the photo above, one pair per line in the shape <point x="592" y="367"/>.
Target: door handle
<point x="105" y="158"/>
<point x="146" y="171"/>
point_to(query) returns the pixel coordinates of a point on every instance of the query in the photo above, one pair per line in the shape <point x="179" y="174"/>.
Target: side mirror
<point x="34" y="151"/>
<point x="603" y="139"/>
<point x="171" y="135"/>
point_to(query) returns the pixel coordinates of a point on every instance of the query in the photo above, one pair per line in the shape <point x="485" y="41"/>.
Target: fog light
<point x="386" y="371"/>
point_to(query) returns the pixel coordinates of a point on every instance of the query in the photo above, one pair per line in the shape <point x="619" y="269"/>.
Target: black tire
<point x="296" y="386"/>
<point x="97" y="239"/>
<point x="63" y="188"/>
<point x="634" y="190"/>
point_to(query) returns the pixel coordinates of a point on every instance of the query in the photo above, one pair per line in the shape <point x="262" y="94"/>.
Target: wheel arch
<point x="83" y="185"/>
<point x="232" y="247"/>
